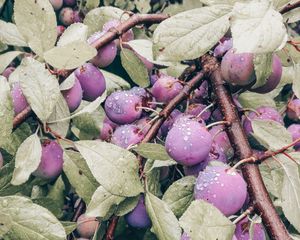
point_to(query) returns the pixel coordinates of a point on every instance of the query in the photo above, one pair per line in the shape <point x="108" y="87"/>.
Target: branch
<point x="290" y="7"/>
<point x="256" y="188"/>
<point x="111" y="228"/>
<point x="21" y="117"/>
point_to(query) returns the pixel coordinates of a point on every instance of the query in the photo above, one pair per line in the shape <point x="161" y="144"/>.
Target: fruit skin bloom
<point x="226" y="190"/>
<point x="19" y="100"/>
<point x="293" y="109"/>
<point x="73" y="96"/>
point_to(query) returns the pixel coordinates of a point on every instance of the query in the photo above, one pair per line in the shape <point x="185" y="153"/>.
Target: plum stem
<point x="226" y="123"/>
<point x="206" y="108"/>
<point x="247" y="212"/>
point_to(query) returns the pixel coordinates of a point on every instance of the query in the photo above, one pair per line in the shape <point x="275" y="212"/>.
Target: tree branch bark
<point x="290" y="7"/>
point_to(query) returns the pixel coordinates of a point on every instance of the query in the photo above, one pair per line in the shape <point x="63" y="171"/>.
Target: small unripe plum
<point x="238" y="68"/>
<point x="91" y="80"/>
<point x="261" y="113"/>
<point x="69" y="3"/>
<point x="195" y="169"/>
<point x="123" y="107"/>
<point x="167" y="125"/>
<point x="106" y="54"/>
<point x="196" y="108"/>
<point x="127" y="135"/>
<point x="294" y="130"/>
<point x="60" y="30"/>
<point x="9" y="70"/>
<point x="274" y="79"/>
<point x="1" y="160"/>
<point x="223" y="47"/>
<point x="293" y="109"/>
<point x="126" y="37"/>
<point x="188" y="142"/>
<point x="51" y="163"/>
<point x="56" y="4"/>
<point x="225" y="189"/>
<point x="243" y="227"/>
<point x="73" y="96"/>
<point x="185" y="236"/>
<point x="138" y="217"/>
<point x="66" y="16"/>
<point x="19" y="100"/>
<point x="166" y="88"/>
<point x="78" y="16"/>
<point x="87" y="226"/>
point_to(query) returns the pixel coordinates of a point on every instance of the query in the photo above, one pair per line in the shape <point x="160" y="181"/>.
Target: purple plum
<point x="243" y="227"/>
<point x="185" y="236"/>
<point x="73" y="96"/>
<point x="223" y="47"/>
<point x="293" y="109"/>
<point x="87" y="226"/>
<point x="195" y="169"/>
<point x="127" y="135"/>
<point x="60" y="30"/>
<point x="224" y="188"/>
<point x="126" y="37"/>
<point x="167" y="125"/>
<point x="78" y="16"/>
<point x="19" y="100"/>
<point x="294" y="130"/>
<point x="66" y="16"/>
<point x="106" y="132"/>
<point x="200" y="93"/>
<point x="69" y="3"/>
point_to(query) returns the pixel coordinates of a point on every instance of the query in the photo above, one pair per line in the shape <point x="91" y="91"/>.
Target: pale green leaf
<point x="255" y="100"/>
<point x="152" y="151"/>
<point x="296" y="80"/>
<point x="175" y="8"/>
<point x="10" y="35"/>
<point x="152" y="178"/>
<point x="68" y="82"/>
<point x="114" y="82"/>
<point x="6" y="59"/>
<point x="215" y="2"/>
<point x="91" y="4"/>
<point x="127" y="205"/>
<point x="69" y="226"/>
<point x="2" y="3"/>
<point x="263" y="68"/>
<point x="292" y="16"/>
<point x="162" y="163"/>
<point x="75" y="32"/>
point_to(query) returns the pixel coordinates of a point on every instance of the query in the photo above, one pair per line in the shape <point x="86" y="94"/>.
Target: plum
<point x="261" y="113"/>
<point x="167" y="125"/>
<point x="106" y="132"/>
<point x="106" y="54"/>
<point x="185" y="236"/>
<point x="87" y="226"/>
<point x="225" y="189"/>
<point x="138" y="217"/>
<point x="217" y="115"/>
<point x="51" y="163"/>
<point x="238" y="68"/>
<point x="9" y="70"/>
<point x="19" y="100"/>
<point x="143" y="124"/>
<point x="294" y="130"/>
<point x="60" y="30"/>
<point x="1" y="160"/>
<point x="126" y="37"/>
<point x="78" y="16"/>
<point x="188" y="142"/>
<point x="66" y="16"/>
<point x="56" y="4"/>
<point x="91" y="80"/>
<point x="73" y="96"/>
<point x="166" y="88"/>
<point x="274" y="79"/>
<point x="243" y="227"/>
<point x="293" y="109"/>
<point x="217" y="154"/>
<point x="200" y="93"/>
<point x="195" y="169"/>
<point x="123" y="107"/>
<point x="69" y="3"/>
<point x="153" y="79"/>
<point x="127" y="135"/>
<point x="223" y="47"/>
<point x="196" y="108"/>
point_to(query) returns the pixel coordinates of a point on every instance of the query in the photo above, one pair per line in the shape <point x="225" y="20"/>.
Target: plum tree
<point x="294" y="130"/>
<point x="73" y="96"/>
<point x="18" y="98"/>
<point x="188" y="142"/>
<point x="56" y="4"/>
<point x="138" y="217"/>
<point x="123" y="107"/>
<point x="222" y="187"/>
<point x="106" y="54"/>
<point x="91" y="80"/>
<point x="66" y="16"/>
<point x="127" y="135"/>
<point x="261" y="113"/>
<point x="9" y="70"/>
<point x="293" y="109"/>
<point x="243" y="227"/>
<point x="87" y="226"/>
<point x="126" y="37"/>
<point x="51" y="163"/>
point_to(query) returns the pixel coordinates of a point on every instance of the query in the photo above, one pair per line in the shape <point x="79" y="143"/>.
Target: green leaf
<point x="36" y="21"/>
<point x="6" y="59"/>
<point x="6" y="112"/>
<point x="50" y="204"/>
<point x="142" y="6"/>
<point x="39" y="86"/>
<point x="180" y="195"/>
<point x="135" y="68"/>
<point x="10" y="35"/>
<point x="152" y="178"/>
<point x="103" y="203"/>
<point x="91" y="4"/>
<point x="69" y="226"/>
<point x="30" y="220"/>
<point x="163" y="163"/>
<point x="71" y="55"/>
<point x="106" y="161"/>
<point x="56" y="191"/>
<point x="75" y="32"/>
<point x="152" y="151"/>
<point x="255" y="100"/>
<point x="256" y="27"/>
<point x="2" y="3"/>
<point x="27" y="160"/>
<point x="173" y="9"/>
<point x="203" y="221"/>
<point x="114" y="82"/>
<point x="79" y="175"/>
<point x="272" y="135"/>
<point x="127" y="205"/>
<point x="292" y="16"/>
<point x="263" y="68"/>
<point x="215" y="2"/>
<point x="296" y="82"/>
<point x="190" y="34"/>
<point x="164" y="223"/>
<point x="68" y="82"/>
<point x="97" y="17"/>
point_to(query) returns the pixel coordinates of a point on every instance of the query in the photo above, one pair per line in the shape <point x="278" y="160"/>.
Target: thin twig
<point x="290" y="7"/>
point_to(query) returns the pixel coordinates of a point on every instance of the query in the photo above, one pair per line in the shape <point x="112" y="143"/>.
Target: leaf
<point x="114" y="82"/>
<point x="75" y="32"/>
<point x="152" y="151"/>
<point x="152" y="178"/>
<point x="6" y="59"/>
<point x="215" y="2"/>
<point x="164" y="223"/>
<point x="2" y="3"/>
<point x="91" y="4"/>
<point x="127" y="205"/>
<point x="255" y="100"/>
<point x="106" y="161"/>
<point x="190" y="34"/>
<point x="6" y="111"/>
<point x="79" y="175"/>
<point x="257" y="28"/>
<point x="280" y="3"/>
<point x="180" y="195"/>
<point x="263" y="68"/>
<point x="296" y="82"/>
<point x="10" y="35"/>
<point x="61" y="110"/>
<point x="203" y="221"/>
<point x="40" y="88"/>
<point x="164" y="163"/>
<point x="69" y="226"/>
<point x="28" y="158"/>
<point x="71" y="55"/>
<point x="173" y="9"/>
<point x="102" y="203"/>
<point x="272" y="135"/>
<point x="135" y="68"/>
<point x="96" y="18"/>
<point x="56" y="192"/>
<point x="68" y="82"/>
<point x="49" y="204"/>
<point x="36" y="21"/>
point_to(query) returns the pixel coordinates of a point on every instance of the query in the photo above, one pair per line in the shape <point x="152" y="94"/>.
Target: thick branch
<point x="290" y="7"/>
<point x="256" y="188"/>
